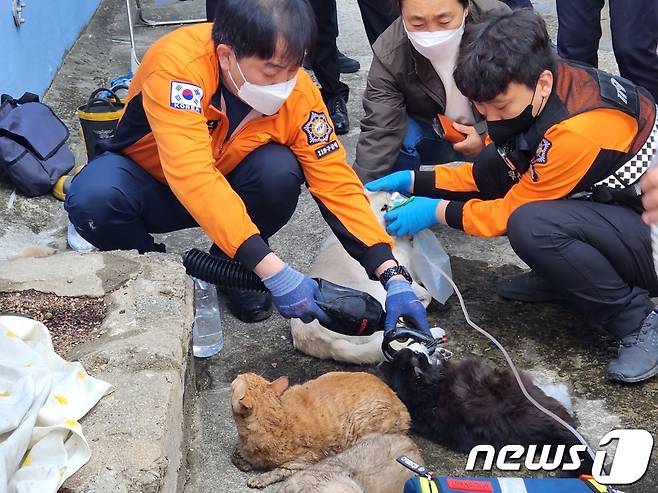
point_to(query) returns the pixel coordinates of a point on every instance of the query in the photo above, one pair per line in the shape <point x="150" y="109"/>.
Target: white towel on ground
<point x="42" y="398"/>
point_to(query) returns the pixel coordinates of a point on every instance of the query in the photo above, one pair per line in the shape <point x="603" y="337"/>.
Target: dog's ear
<point x="421" y="365"/>
<point x="280" y="385"/>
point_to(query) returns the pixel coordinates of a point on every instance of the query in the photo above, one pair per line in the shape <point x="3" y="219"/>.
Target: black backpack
<point x="33" y="150"/>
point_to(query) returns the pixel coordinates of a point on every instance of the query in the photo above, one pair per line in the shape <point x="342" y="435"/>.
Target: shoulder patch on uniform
<point x="317" y="128"/>
<point x="332" y="146"/>
<point x="185" y="96"/>
<point x="541" y="157"/>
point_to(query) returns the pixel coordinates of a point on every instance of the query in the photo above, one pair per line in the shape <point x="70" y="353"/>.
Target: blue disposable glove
<point x="401" y="301"/>
<point x="400" y="181"/>
<point x="294" y="295"/>
<point x="414" y="216"/>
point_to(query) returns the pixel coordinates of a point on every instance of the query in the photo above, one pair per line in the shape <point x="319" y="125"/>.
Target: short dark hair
<point x="397" y="5"/>
<point x="253" y="27"/>
<point x="505" y="47"/>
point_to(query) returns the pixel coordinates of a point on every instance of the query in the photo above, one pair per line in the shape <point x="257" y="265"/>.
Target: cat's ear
<point x="240" y="402"/>
<point x="280" y="385"/>
<point x="246" y="404"/>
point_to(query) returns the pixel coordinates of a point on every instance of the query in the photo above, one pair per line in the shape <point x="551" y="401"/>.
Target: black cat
<point x="468" y="403"/>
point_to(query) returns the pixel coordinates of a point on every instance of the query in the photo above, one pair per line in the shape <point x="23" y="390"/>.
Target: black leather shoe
<point x="637" y="359"/>
<point x="346" y="65"/>
<point x="338" y="113"/>
<point x="528" y="287"/>
<point x="248" y="306"/>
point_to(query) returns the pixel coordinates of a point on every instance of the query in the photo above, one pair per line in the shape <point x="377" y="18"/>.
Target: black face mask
<point x="502" y="131"/>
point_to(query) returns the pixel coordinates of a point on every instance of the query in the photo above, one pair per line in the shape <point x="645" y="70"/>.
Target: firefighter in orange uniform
<point x="561" y="180"/>
<point x="220" y="131"/>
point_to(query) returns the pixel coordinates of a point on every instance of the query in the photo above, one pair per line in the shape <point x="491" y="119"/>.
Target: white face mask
<point x="264" y="99"/>
<point x="437" y="45"/>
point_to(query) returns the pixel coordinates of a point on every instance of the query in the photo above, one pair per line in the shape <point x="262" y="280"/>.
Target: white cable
<point x="513" y="368"/>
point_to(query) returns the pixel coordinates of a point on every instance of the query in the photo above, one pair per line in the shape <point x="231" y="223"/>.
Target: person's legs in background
<point x="421" y="145"/>
<point x="579" y="29"/>
<point x="599" y="257"/>
<point x="325" y="64"/>
<point x="635" y="40"/>
<point x="211" y="7"/>
<point x="377" y="15"/>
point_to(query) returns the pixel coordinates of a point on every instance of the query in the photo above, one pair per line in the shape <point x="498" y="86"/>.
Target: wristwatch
<point x="385" y="276"/>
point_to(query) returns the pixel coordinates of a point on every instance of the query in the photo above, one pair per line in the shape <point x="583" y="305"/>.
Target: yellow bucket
<point x="98" y="119"/>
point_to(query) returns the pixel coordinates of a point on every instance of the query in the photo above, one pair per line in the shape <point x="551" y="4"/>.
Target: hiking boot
<point x="529" y="287"/>
<point x="248" y="306"/>
<point x="338" y="113"/>
<point x="637" y="359"/>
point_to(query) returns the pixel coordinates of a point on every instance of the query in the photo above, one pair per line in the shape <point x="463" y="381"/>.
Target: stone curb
<point x="137" y="434"/>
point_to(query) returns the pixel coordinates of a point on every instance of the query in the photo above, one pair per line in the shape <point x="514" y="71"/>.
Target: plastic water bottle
<point x="207" y="335"/>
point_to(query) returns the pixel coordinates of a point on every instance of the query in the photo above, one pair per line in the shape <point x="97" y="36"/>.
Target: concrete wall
<point x="32" y="53"/>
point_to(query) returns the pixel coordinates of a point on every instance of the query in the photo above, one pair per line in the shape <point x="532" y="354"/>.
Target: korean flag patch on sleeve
<point x="184" y="96"/>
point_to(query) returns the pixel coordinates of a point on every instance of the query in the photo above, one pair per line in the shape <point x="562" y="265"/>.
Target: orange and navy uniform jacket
<point x="588" y="129"/>
<point x="174" y="128"/>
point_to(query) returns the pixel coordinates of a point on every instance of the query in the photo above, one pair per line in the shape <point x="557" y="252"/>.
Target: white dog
<point x="334" y="264"/>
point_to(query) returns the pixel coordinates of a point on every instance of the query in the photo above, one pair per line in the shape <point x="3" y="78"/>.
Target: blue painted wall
<point x="31" y="54"/>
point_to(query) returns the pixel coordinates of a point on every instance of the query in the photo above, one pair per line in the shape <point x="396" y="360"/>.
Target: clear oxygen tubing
<point x="513" y="368"/>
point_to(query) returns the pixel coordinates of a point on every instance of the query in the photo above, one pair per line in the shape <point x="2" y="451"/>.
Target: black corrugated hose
<point x="223" y="272"/>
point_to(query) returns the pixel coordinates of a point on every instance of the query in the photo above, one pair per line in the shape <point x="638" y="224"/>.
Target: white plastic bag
<point x="429" y="258"/>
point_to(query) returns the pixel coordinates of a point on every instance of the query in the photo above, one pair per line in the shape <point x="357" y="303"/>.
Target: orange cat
<point x="287" y="429"/>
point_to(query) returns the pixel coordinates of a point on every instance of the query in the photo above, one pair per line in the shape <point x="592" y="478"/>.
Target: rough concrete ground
<point x="546" y="339"/>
